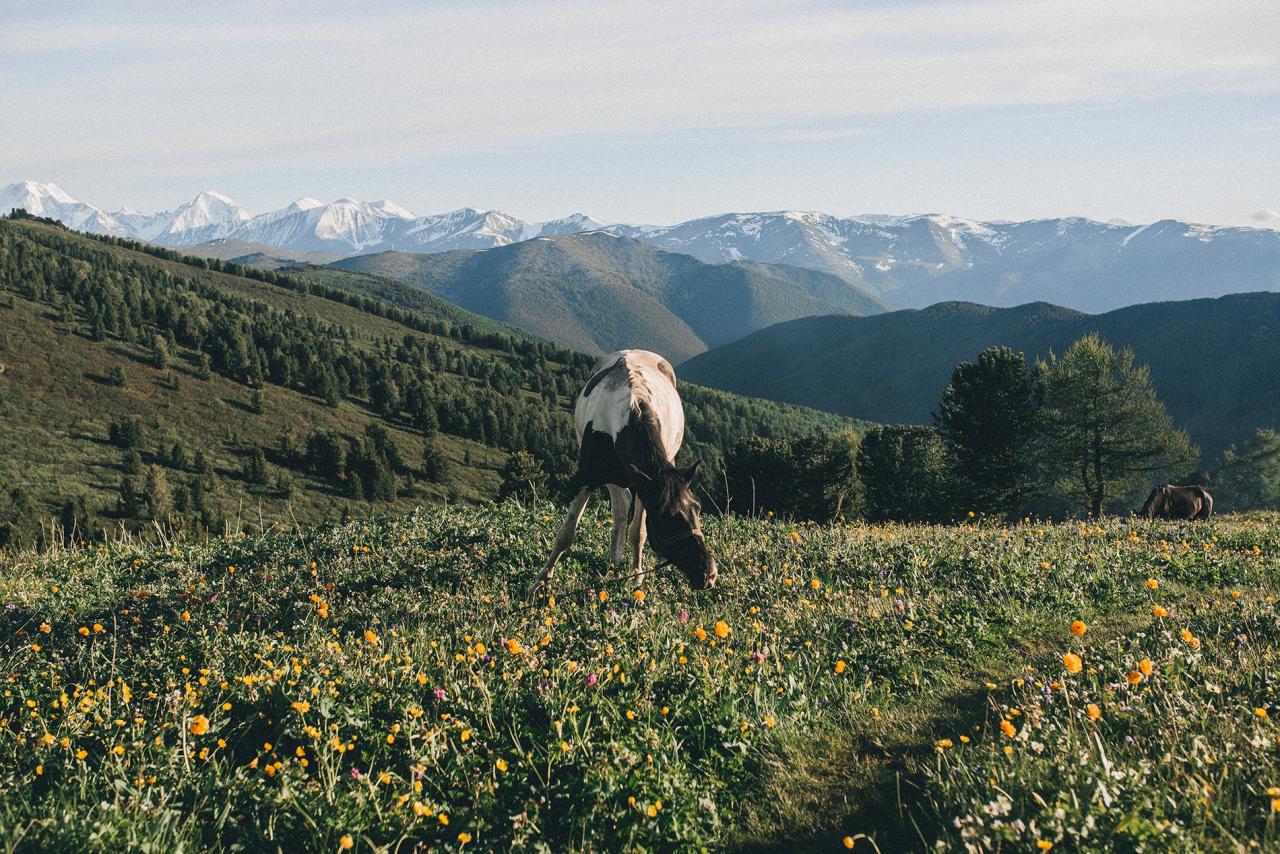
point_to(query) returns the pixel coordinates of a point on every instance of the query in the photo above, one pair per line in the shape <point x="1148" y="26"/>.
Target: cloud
<point x="1266" y="217"/>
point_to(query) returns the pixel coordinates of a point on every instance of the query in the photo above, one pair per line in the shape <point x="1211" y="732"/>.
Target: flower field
<point x="371" y="686"/>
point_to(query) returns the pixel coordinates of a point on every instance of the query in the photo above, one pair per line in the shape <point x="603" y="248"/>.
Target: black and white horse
<point x="630" y="425"/>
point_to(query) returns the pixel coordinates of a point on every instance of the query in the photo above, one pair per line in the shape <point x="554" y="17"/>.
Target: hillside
<point x="262" y="397"/>
<point x="1213" y="362"/>
<point x="368" y="685"/>
<point x="597" y="292"/>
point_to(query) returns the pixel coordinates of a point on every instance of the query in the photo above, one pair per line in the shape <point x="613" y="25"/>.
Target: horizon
<point x="662" y="114"/>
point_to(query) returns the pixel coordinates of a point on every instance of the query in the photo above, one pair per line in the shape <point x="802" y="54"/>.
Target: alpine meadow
<point x="666" y="427"/>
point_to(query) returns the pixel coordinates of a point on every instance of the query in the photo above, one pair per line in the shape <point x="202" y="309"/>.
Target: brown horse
<point x="1178" y="502"/>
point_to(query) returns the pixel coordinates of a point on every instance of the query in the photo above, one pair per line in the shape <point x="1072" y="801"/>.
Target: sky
<point x="655" y="111"/>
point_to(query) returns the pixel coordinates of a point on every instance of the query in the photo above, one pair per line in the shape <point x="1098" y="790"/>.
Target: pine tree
<point x="522" y="478"/>
<point x="1107" y="436"/>
<point x="988" y="417"/>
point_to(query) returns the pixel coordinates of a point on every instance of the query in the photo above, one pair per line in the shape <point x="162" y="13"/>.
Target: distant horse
<point x="1178" y="502"/>
<point x="630" y="425"/>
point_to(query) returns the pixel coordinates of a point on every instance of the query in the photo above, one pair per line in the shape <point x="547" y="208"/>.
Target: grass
<point x="369" y="682"/>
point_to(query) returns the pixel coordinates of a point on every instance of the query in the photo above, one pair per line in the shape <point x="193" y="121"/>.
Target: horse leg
<point x="620" y="503"/>
<point x="638" y="535"/>
<point x="564" y="539"/>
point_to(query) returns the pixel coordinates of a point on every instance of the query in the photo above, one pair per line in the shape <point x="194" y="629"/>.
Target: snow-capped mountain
<point x="908" y="261"/>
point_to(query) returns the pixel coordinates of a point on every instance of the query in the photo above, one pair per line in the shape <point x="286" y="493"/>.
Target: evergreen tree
<point x="434" y="464"/>
<point x="159" y="352"/>
<point x="904" y="471"/>
<point x="522" y="478"/>
<point x="1248" y="478"/>
<point x="988" y="417"/>
<point x="1107" y="436"/>
<point x="255" y="467"/>
<point x="159" y="501"/>
<point x="117" y="377"/>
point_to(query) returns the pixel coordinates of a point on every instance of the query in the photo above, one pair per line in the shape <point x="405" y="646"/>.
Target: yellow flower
<point x="1093" y="711"/>
<point x="1044" y="564"/>
<point x="604" y="596"/>
<point x="300" y="706"/>
<point x="840" y="666"/>
<point x="847" y="842"/>
<point x="1008" y="729"/>
<point x="444" y="818"/>
<point x="638" y="595"/>
<point x="945" y="743"/>
<point x="1072" y="662"/>
<point x="814" y="583"/>
<point x="464" y="837"/>
<point x="118" y="750"/>
<point x="199" y="725"/>
<point x="1078" y="628"/>
<point x="722" y="629"/>
<point x="346" y="843"/>
<point x="370" y="637"/>
<point x="84" y="630"/>
<point x="514" y="646"/>
<point x="1159" y="611"/>
<point x="700" y="633"/>
<point x="185" y="616"/>
<point x="1153" y="584"/>
<point x="501" y="765"/>
<point x="46" y="628"/>
<point x="1145" y="666"/>
<point x="1044" y="844"/>
<point x="1261" y="713"/>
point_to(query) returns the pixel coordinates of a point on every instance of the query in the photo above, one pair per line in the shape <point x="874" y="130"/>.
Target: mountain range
<point x="1213" y="361"/>
<point x="598" y="292"/>
<point x="906" y="261"/>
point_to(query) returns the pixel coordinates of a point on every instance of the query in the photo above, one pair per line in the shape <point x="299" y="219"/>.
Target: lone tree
<point x="1107" y="435"/>
<point x="522" y="477"/>
<point x="988" y="418"/>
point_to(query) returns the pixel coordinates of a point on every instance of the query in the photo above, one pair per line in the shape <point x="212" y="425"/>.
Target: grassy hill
<point x="286" y="358"/>
<point x="597" y="292"/>
<point x="1213" y="361"/>
<point x="366" y="685"/>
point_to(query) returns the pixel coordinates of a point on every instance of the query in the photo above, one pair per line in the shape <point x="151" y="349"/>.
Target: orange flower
<point x="1153" y="584"/>
<point x="1159" y="611"/>
<point x="1078" y="628"/>
<point x="514" y="646"/>
<point x="700" y="633"/>
<point x="1134" y="677"/>
<point x="370" y="637"/>
<point x="199" y="725"/>
<point x="722" y="629"/>
<point x="1093" y="711"/>
<point x="1145" y="666"/>
<point x="1072" y="662"/>
<point x="1008" y="729"/>
<point x="840" y="666"/>
<point x="638" y="595"/>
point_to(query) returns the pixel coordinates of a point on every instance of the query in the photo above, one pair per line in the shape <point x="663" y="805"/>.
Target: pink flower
<point x="592" y="679"/>
<point x="439" y="693"/>
<point x="684" y="616"/>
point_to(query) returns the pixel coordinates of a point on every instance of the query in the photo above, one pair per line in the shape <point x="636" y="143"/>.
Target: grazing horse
<point x="1178" y="502"/>
<point x="630" y="425"/>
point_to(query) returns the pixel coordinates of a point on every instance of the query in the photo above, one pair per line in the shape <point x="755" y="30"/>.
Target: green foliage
<point x="1107" y="436"/>
<point x="812" y="477"/>
<point x="523" y="478"/>
<point x="905" y="472"/>
<point x="1248" y="478"/>
<point x="988" y="418"/>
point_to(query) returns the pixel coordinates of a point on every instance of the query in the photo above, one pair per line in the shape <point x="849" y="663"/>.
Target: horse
<point x="630" y="425"/>
<point x="1178" y="502"/>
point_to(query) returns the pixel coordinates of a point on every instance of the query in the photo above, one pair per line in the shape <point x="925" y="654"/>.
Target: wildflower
<point x="199" y="725"/>
<point x="592" y="679"/>
<point x="1189" y="639"/>
<point x="722" y="629"/>
<point x="438" y="694"/>
<point x="1261" y="713"/>
<point x="769" y="721"/>
<point x="370" y="637"/>
<point x="185" y="616"/>
<point x="700" y="633"/>
<point x="118" y="750"/>
<point x="464" y="837"/>
<point x="83" y="630"/>
<point x="638" y="595"/>
<point x="1072" y="662"/>
<point x="1159" y="611"/>
<point x="795" y="536"/>
<point x="1134" y="677"/>
<point x="604" y="596"/>
<point x="1145" y="666"/>
<point x="1153" y="584"/>
<point x="300" y="706"/>
<point x="847" y="842"/>
<point x="501" y="765"/>
<point x="1007" y="728"/>
<point x="346" y="843"/>
<point x="945" y="743"/>
<point x="1093" y="711"/>
<point x="46" y="628"/>
<point x="840" y="666"/>
<point x="814" y="584"/>
<point x="514" y="646"/>
<point x="1044" y="564"/>
<point x="1044" y="844"/>
<point x="1079" y="627"/>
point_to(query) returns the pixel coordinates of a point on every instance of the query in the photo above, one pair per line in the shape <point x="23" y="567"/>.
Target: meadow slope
<point x="368" y="685"/>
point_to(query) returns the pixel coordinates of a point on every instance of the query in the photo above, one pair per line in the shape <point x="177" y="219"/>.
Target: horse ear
<point x="691" y="472"/>
<point x="639" y="475"/>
